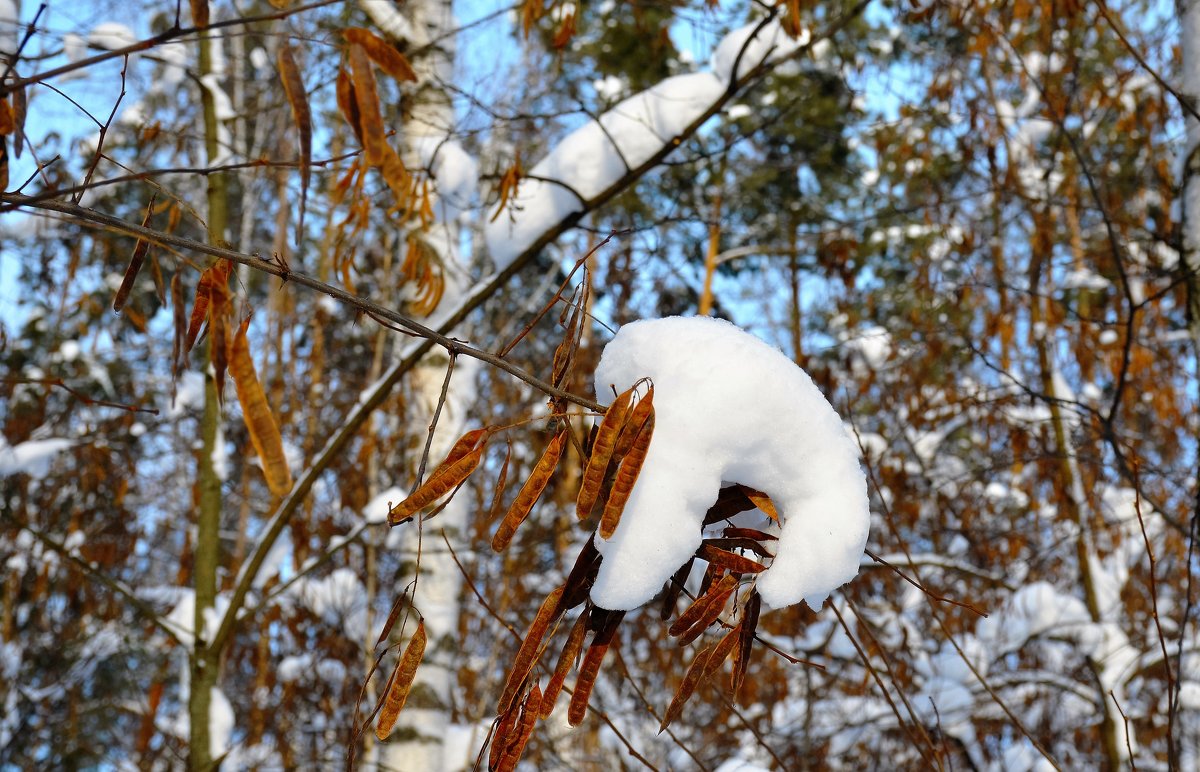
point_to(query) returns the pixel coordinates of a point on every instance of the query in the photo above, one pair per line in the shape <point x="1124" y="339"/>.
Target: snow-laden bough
<point x="730" y="409"/>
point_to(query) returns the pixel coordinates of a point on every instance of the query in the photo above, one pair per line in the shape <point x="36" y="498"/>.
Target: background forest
<point x="970" y="221"/>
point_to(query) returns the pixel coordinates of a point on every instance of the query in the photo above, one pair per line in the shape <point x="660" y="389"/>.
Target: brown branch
<point x="156" y="40"/>
<point x="85" y="399"/>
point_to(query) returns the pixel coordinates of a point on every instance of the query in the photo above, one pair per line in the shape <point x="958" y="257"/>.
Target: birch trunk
<point x="1189" y="32"/>
<point x="418" y="742"/>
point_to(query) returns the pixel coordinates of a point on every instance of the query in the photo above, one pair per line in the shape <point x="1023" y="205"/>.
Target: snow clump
<point x="731" y="409"/>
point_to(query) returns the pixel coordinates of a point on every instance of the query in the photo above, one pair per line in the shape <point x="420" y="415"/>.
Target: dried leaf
<point x="602" y="451"/>
<point x="3" y="163"/>
<point x="382" y="53"/>
<point x="440" y="482"/>
<point x="529" y="716"/>
<point x="716" y="596"/>
<point x="8" y="123"/>
<point x="367" y="97"/>
<point x="527" y="655"/>
<point x="135" y="264"/>
<point x="704" y="665"/>
<point x="530" y="491"/>
<point x="627" y="474"/>
<point x="401" y="682"/>
<point x="728" y="560"/>
<point x="590" y="668"/>
<point x="762" y="501"/>
<point x="293" y="87"/>
<point x="566" y="661"/>
<point x="260" y="422"/>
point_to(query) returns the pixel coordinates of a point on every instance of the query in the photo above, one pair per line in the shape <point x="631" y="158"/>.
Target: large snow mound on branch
<point x="595" y="156"/>
<point x="731" y="409"/>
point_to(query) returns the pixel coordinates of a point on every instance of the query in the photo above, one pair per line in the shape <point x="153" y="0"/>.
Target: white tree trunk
<point x="418" y="743"/>
<point x="1189" y="31"/>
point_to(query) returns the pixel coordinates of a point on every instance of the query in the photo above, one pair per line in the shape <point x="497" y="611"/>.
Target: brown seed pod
<point x="739" y="543"/>
<point x="590" y="668"/>
<point x="703" y="666"/>
<point x="462" y="460"/>
<point x="528" y="654"/>
<point x="674" y="588"/>
<point x="749" y="533"/>
<point x="530" y="491"/>
<point x="135" y="263"/>
<point x="762" y="501"/>
<point x="747" y="628"/>
<point x="583" y="575"/>
<point x="627" y="475"/>
<point x="730" y="501"/>
<point x="602" y="452"/>
<point x="566" y="660"/>
<point x="215" y="279"/>
<point x="529" y="716"/>
<point x="643" y="411"/>
<point x="256" y="411"/>
<point x="729" y="560"/>
<point x="401" y="682"/>
<point x="382" y="53"/>
<point x="503" y="737"/>
<point x="716" y="596"/>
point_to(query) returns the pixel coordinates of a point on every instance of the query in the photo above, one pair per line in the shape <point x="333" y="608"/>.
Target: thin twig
<point x="79" y="395"/>
<point x="437" y="413"/>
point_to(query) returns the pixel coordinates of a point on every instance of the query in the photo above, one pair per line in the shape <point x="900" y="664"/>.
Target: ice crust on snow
<point x="730" y="408"/>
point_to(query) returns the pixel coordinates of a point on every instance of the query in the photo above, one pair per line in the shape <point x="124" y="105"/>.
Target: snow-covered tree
<point x="392" y="225"/>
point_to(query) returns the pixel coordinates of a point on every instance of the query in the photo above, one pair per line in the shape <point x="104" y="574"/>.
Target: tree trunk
<point x="1189" y="30"/>
<point x="203" y="676"/>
